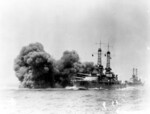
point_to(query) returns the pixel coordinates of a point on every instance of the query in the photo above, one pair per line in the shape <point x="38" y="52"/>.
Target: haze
<point x="77" y="25"/>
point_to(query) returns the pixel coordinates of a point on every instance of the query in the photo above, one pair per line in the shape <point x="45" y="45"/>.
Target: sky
<point x="77" y="25"/>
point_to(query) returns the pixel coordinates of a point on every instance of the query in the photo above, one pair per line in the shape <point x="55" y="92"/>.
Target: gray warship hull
<point x="99" y="85"/>
<point x="135" y="84"/>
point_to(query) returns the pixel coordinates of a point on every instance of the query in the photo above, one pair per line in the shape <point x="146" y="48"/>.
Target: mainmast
<point x="133" y="72"/>
<point x="108" y="69"/>
<point x="136" y="72"/>
<point x="99" y="61"/>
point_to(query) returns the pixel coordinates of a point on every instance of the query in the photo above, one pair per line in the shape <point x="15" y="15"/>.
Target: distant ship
<point x="134" y="80"/>
<point x="98" y="79"/>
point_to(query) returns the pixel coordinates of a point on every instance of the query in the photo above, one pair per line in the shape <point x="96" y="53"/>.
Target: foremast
<point x="99" y="61"/>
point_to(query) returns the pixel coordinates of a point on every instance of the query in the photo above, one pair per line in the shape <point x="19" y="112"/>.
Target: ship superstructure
<point x="102" y="79"/>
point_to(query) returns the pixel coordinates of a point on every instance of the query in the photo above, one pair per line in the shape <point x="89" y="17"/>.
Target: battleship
<point x="100" y="79"/>
<point x="134" y="80"/>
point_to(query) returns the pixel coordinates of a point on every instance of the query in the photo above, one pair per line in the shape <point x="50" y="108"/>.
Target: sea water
<point x="130" y="100"/>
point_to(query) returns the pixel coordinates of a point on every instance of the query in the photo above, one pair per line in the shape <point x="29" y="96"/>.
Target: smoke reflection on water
<point x="24" y="101"/>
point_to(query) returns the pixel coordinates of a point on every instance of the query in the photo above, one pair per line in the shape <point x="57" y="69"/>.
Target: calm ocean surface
<point x="130" y="100"/>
